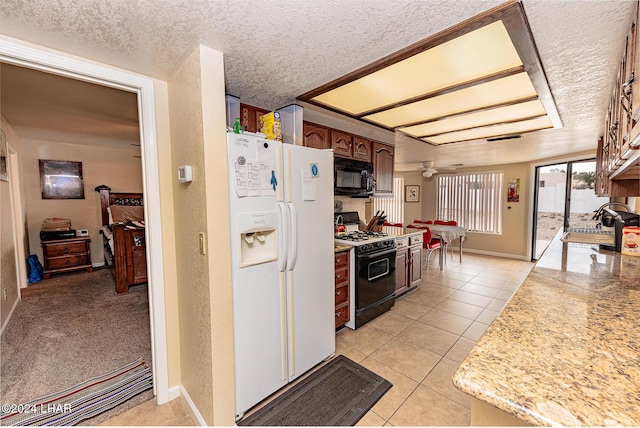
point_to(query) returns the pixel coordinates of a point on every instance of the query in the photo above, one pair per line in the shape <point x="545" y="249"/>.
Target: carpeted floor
<point x="68" y="329"/>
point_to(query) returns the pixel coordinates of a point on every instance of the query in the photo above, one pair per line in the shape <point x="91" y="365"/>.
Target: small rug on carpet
<point x="81" y="401"/>
<point x="338" y="394"/>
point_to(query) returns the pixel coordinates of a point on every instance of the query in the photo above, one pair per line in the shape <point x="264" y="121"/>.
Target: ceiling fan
<point x="427" y="169"/>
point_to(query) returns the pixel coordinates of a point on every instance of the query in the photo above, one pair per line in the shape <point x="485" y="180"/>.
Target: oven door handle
<point x="374" y="255"/>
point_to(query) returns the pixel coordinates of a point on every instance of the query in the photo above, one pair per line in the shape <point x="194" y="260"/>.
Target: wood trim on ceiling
<point x="515" y="21"/>
<point x="492" y="15"/>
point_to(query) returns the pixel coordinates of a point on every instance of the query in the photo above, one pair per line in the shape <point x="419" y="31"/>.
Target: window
<point x="473" y="200"/>
<point x="393" y="207"/>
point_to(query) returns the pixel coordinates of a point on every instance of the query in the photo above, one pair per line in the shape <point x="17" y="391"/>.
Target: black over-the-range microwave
<point x="352" y="177"/>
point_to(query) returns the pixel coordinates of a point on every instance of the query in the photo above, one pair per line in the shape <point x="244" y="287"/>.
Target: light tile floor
<point x="417" y="346"/>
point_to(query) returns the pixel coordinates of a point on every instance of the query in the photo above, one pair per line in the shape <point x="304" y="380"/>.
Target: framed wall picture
<point x="4" y="152"/>
<point x="412" y="193"/>
<point x="61" y="179"/>
<point x="513" y="190"/>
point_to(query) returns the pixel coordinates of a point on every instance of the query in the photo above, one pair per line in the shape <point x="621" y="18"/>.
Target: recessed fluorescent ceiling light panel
<point x="480" y="79"/>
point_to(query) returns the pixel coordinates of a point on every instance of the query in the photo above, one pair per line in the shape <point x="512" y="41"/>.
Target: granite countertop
<point x="337" y="248"/>
<point x="566" y="348"/>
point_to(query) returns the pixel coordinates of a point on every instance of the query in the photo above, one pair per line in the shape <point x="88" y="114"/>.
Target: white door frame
<point x="15" y="52"/>
<point x="17" y="216"/>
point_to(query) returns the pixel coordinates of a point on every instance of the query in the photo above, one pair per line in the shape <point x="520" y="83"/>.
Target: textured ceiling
<point x="277" y="50"/>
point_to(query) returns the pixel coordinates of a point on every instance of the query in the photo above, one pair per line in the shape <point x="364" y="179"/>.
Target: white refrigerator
<point x="281" y="213"/>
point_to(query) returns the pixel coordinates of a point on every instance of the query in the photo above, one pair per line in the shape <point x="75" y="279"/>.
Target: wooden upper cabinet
<point x="633" y="64"/>
<point x="618" y="153"/>
<point x="383" y="157"/>
<point x="250" y="117"/>
<point x="601" y="180"/>
<point x="316" y="136"/>
<point x="362" y="149"/>
<point x="342" y="144"/>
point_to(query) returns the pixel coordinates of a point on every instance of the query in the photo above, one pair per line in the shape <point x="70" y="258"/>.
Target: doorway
<point x="45" y="60"/>
<point x="564" y="197"/>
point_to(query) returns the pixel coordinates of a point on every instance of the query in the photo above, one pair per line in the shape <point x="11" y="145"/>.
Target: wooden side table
<point x="66" y="255"/>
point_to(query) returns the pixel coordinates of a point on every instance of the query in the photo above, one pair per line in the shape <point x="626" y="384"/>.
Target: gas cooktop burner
<point x="361" y="235"/>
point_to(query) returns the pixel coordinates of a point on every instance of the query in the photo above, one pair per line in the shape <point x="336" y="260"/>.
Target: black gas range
<point x="375" y="276"/>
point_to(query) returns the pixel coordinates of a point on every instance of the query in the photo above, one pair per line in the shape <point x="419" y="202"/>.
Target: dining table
<point x="447" y="233"/>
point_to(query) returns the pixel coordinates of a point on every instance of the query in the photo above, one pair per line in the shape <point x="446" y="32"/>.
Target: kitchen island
<point x="566" y="348"/>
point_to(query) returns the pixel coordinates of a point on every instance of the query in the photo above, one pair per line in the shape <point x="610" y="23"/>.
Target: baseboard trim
<point x="174" y="392"/>
<point x="191" y="407"/>
<point x="6" y="322"/>
<point x="494" y="254"/>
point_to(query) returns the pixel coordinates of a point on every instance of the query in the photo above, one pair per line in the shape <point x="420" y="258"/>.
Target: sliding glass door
<point x="564" y="197"/>
<point x="550" y="196"/>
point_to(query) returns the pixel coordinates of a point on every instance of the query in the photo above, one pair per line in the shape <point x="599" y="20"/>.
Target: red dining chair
<point x="423" y="221"/>
<point x="447" y="223"/>
<point x="430" y="245"/>
<point x="386" y="223"/>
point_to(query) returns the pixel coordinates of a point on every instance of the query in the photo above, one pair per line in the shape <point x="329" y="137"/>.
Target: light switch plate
<point x="202" y="242"/>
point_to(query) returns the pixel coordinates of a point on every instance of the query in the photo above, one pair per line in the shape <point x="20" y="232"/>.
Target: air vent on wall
<point x="506" y="137"/>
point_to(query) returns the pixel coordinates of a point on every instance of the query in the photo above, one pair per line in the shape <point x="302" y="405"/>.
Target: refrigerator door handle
<point x="291" y="355"/>
<point x="284" y="238"/>
<point x="293" y="237"/>
<point x="284" y="327"/>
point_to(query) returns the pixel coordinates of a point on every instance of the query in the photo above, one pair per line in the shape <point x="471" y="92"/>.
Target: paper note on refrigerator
<point x="309" y="188"/>
<point x="262" y="153"/>
<point x="242" y="184"/>
<point x="254" y="178"/>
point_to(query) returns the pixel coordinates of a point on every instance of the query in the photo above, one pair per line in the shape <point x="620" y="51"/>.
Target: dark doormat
<point x="338" y="394"/>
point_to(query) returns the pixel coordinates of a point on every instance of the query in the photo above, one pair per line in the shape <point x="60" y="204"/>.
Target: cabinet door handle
<point x="338" y="276"/>
<point x="68" y="262"/>
<point x="66" y="250"/>
<point x="339" y="292"/>
<point x="337" y="314"/>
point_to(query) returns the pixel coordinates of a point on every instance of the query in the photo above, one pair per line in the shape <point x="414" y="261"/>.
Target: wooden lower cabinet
<point x="402" y="262"/>
<point x="342" y="273"/>
<point x="408" y="263"/>
<point x="415" y="266"/>
<point x="66" y="255"/>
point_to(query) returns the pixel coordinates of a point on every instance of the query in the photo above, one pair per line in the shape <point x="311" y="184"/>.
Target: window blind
<point x="394" y="206"/>
<point x="473" y="200"/>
